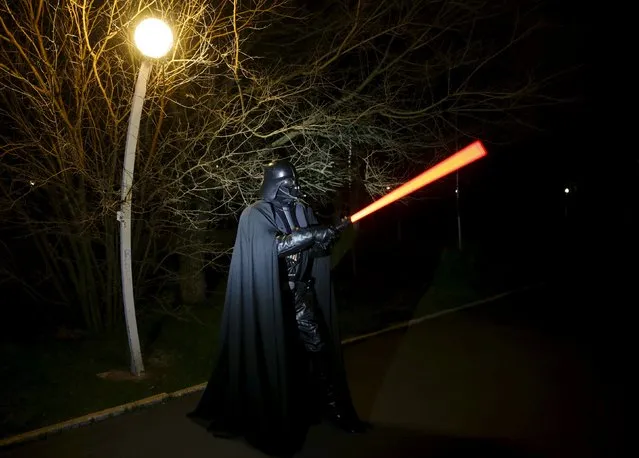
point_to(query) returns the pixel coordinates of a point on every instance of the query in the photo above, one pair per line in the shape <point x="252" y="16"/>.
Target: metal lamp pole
<point x="154" y="39"/>
<point x="124" y="217"/>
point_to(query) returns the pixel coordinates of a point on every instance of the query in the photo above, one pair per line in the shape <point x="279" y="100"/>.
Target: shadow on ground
<point x="388" y="441"/>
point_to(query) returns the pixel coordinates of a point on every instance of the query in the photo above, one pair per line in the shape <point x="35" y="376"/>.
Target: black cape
<point x="258" y="386"/>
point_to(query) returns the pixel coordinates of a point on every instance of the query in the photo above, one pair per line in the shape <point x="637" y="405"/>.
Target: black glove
<point x="305" y="238"/>
<point x="322" y="248"/>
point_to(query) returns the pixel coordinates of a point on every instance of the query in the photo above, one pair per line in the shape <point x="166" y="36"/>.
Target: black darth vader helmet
<point x="280" y="182"/>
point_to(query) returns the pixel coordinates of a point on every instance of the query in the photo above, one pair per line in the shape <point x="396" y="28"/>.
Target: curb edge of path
<point x="101" y="415"/>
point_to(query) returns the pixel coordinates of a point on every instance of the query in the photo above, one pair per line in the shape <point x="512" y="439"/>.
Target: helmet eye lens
<point x="290" y="187"/>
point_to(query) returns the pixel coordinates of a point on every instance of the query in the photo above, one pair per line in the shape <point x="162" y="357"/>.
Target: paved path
<point x="500" y="380"/>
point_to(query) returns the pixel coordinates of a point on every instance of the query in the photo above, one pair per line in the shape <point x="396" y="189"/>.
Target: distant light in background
<point x="566" y="190"/>
<point x="387" y="188"/>
<point x="32" y="183"/>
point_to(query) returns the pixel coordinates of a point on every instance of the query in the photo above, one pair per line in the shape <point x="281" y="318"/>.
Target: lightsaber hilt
<point x="343" y="224"/>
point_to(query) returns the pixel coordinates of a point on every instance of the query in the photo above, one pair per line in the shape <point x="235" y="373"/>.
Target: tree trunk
<point x="191" y="270"/>
<point x="356" y="203"/>
<point x="192" y="279"/>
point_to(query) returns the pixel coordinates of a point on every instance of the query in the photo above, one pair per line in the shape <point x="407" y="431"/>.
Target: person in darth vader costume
<point x="280" y="364"/>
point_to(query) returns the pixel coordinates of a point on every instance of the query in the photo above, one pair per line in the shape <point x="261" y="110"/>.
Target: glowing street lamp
<point x="154" y="39"/>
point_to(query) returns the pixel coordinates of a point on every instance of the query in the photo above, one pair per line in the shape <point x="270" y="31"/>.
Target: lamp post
<point x="154" y="39"/>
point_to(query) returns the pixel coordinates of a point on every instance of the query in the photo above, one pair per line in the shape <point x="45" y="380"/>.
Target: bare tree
<point x="67" y="72"/>
<point x="358" y="93"/>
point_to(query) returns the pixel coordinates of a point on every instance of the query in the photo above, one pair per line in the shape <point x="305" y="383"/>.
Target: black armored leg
<point x="335" y="404"/>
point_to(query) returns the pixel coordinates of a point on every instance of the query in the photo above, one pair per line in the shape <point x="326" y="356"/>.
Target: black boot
<point x="335" y="409"/>
<point x="342" y="415"/>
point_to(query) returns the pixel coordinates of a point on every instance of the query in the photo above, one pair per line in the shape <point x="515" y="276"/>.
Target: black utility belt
<point x="298" y="285"/>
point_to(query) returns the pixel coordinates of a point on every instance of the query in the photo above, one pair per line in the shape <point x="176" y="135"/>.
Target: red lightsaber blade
<point x="455" y="162"/>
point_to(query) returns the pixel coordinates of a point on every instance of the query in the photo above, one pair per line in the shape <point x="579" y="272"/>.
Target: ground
<point x="518" y="377"/>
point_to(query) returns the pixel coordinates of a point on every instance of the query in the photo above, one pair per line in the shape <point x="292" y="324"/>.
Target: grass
<point x="453" y="283"/>
<point x="51" y="380"/>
